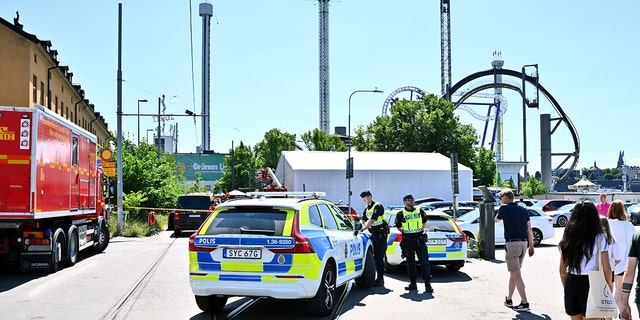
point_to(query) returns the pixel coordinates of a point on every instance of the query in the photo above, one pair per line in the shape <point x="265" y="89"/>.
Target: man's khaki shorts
<point x="514" y="254"/>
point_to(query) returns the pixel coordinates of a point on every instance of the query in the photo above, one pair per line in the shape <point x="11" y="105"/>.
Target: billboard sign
<point x="209" y="165"/>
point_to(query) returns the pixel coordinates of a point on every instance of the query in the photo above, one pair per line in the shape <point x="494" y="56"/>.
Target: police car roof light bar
<point x="291" y="194"/>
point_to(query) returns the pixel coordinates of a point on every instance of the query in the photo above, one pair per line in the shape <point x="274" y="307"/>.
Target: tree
<point x="157" y="188"/>
<point x="427" y="125"/>
<point x="484" y="168"/>
<point x="197" y="185"/>
<point x="274" y="142"/>
<point x="318" y="140"/>
<point x="532" y="187"/>
<point x="243" y="172"/>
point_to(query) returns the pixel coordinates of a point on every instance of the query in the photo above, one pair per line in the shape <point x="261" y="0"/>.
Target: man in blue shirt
<point x="518" y="236"/>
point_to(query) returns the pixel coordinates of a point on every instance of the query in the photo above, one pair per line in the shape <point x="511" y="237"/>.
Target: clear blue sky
<point x="264" y="66"/>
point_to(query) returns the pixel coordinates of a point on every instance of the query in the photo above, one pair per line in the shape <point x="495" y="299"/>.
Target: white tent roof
<point x="389" y="175"/>
<point x="328" y="160"/>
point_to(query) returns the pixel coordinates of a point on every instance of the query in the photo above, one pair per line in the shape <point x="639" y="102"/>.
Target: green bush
<point x="133" y="227"/>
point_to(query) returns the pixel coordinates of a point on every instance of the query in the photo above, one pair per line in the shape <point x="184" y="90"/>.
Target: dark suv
<point x="191" y="211"/>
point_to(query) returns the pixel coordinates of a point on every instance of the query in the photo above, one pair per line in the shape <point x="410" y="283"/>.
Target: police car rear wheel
<point x="211" y="304"/>
<point x="323" y="302"/>
<point x="455" y="266"/>
<point x="368" y="276"/>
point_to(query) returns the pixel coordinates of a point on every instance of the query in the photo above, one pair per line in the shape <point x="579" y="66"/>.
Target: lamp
<point x="140" y="100"/>
<point x="349" y="159"/>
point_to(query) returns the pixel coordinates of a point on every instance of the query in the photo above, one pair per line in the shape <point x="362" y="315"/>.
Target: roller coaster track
<point x="561" y="119"/>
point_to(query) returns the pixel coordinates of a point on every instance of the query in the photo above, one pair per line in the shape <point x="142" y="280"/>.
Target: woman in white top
<point x="622" y="230"/>
<point x="578" y="253"/>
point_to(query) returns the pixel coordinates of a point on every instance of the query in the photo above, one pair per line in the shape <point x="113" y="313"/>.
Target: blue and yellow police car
<point x="446" y="242"/>
<point x="278" y="245"/>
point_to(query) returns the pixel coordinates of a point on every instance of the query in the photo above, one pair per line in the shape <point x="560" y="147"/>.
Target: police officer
<point x="373" y="217"/>
<point x="411" y="221"/>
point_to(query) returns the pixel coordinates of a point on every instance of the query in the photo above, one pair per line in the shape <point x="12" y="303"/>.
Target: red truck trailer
<point x="52" y="193"/>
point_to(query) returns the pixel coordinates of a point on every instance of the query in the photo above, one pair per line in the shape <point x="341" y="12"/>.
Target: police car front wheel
<point x="323" y="302"/>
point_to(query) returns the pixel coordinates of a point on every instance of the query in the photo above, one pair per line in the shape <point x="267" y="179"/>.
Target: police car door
<point x="345" y="244"/>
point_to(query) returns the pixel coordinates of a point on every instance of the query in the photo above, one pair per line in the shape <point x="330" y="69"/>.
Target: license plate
<point x="437" y="242"/>
<point x="194" y="216"/>
<point x="242" y="253"/>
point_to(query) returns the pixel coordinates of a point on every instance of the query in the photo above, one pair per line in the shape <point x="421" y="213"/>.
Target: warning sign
<point x="110" y="172"/>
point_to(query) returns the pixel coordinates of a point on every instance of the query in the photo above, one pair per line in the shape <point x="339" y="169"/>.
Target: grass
<point x="137" y="229"/>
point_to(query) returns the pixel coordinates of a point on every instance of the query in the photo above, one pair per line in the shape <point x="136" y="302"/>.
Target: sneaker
<point x="508" y="302"/>
<point x="428" y="288"/>
<point x="522" y="307"/>
<point x="411" y="286"/>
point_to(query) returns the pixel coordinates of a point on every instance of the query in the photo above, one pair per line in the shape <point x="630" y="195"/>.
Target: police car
<point x="446" y="242"/>
<point x="298" y="247"/>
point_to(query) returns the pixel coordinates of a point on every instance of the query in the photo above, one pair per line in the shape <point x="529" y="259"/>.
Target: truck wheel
<point x="323" y="302"/>
<point x="56" y="250"/>
<point x="103" y="239"/>
<point x="368" y="276"/>
<point x="72" y="247"/>
<point x="211" y="304"/>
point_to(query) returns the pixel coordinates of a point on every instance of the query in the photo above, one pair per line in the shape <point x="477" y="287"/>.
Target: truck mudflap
<point x="35" y="262"/>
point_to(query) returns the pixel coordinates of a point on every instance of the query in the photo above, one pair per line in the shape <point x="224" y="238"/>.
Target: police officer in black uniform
<point x="411" y="221"/>
<point x="373" y="217"/>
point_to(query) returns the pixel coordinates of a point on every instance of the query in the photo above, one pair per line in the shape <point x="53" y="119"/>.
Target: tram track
<point x="113" y="312"/>
<point x="335" y="314"/>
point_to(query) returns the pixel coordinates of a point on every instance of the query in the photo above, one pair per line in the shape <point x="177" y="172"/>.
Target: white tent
<point x="583" y="184"/>
<point x="389" y="175"/>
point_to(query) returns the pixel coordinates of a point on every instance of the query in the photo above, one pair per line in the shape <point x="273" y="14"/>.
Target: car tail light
<point x="193" y="247"/>
<point x="461" y="239"/>
<point x="176" y="216"/>
<point x="301" y="243"/>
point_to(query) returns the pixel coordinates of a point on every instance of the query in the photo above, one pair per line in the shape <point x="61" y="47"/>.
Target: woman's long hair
<point x="580" y="235"/>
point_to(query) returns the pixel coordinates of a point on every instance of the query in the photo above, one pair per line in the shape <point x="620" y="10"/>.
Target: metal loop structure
<point x="391" y="99"/>
<point x="562" y="118"/>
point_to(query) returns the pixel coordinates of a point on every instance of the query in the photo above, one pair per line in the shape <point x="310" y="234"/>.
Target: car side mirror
<point x="357" y="225"/>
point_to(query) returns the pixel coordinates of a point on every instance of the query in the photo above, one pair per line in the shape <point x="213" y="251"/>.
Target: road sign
<point x="108" y="164"/>
<point x="110" y="172"/>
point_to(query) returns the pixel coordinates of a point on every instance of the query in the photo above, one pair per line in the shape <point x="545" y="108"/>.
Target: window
<point x="42" y="93"/>
<point x="327" y="217"/>
<point x="35" y="89"/>
<point x="56" y="103"/>
<point x="314" y="216"/>
<point x="35" y="60"/>
<point x="74" y="156"/>
<point x="344" y="223"/>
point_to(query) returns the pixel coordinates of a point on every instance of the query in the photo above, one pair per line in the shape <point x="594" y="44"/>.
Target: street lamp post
<point x="140" y="100"/>
<point x="349" y="159"/>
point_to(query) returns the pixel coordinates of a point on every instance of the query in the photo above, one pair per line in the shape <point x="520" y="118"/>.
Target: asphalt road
<point x="108" y="286"/>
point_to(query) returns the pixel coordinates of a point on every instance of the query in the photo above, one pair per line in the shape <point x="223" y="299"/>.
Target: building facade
<point x="30" y="74"/>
